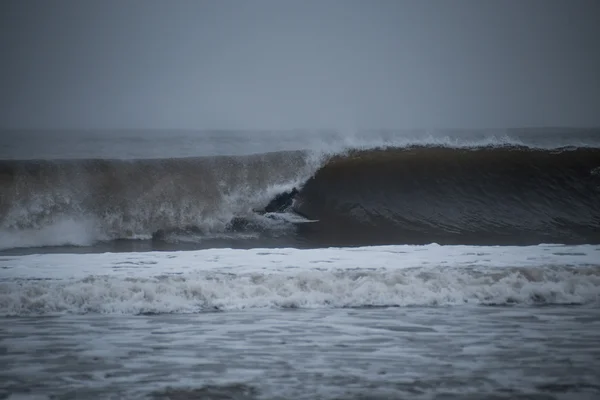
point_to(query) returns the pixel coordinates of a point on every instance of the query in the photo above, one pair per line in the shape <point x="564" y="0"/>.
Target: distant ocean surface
<point x="444" y="264"/>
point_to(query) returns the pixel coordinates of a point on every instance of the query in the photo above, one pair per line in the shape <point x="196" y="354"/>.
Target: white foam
<point x="174" y="282"/>
<point x="63" y="232"/>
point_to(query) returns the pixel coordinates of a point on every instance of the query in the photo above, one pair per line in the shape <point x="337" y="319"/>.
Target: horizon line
<point x="323" y="129"/>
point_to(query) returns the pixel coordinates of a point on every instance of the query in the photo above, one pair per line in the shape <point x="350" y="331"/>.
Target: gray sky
<point x="299" y="64"/>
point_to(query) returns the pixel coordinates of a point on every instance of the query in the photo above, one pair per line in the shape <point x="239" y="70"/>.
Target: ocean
<point x="447" y="264"/>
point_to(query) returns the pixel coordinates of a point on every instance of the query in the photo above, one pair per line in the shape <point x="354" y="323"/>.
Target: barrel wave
<point x="488" y="195"/>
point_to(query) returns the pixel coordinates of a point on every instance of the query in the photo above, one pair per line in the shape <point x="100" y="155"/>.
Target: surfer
<point x="281" y="202"/>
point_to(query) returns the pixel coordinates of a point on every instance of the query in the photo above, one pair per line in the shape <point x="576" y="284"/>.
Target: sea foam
<point x="226" y="279"/>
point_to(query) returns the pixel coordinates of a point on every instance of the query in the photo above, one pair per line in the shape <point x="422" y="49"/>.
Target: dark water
<point x="489" y="195"/>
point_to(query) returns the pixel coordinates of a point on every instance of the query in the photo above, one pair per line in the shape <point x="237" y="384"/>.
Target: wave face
<point x="487" y="194"/>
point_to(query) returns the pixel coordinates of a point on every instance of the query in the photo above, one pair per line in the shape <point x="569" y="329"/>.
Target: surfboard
<point x="290" y="217"/>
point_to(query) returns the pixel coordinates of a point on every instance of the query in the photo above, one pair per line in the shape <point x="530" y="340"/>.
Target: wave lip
<point x="157" y="144"/>
<point x="389" y="276"/>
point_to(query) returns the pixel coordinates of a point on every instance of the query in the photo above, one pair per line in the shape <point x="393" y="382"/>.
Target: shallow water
<point x="416" y="352"/>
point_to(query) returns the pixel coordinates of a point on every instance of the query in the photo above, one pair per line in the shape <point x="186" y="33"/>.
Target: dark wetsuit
<point x="281" y="202"/>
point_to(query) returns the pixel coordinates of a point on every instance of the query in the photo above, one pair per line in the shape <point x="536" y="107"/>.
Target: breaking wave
<point x="303" y="289"/>
<point x="235" y="279"/>
<point x="450" y="194"/>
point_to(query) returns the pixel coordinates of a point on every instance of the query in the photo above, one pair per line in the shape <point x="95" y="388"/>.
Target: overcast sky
<point x="299" y="64"/>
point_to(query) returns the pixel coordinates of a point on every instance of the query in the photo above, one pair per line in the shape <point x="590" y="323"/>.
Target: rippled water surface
<point x="416" y="352"/>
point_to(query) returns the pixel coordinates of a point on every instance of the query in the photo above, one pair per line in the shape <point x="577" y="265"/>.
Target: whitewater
<point x="451" y="264"/>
